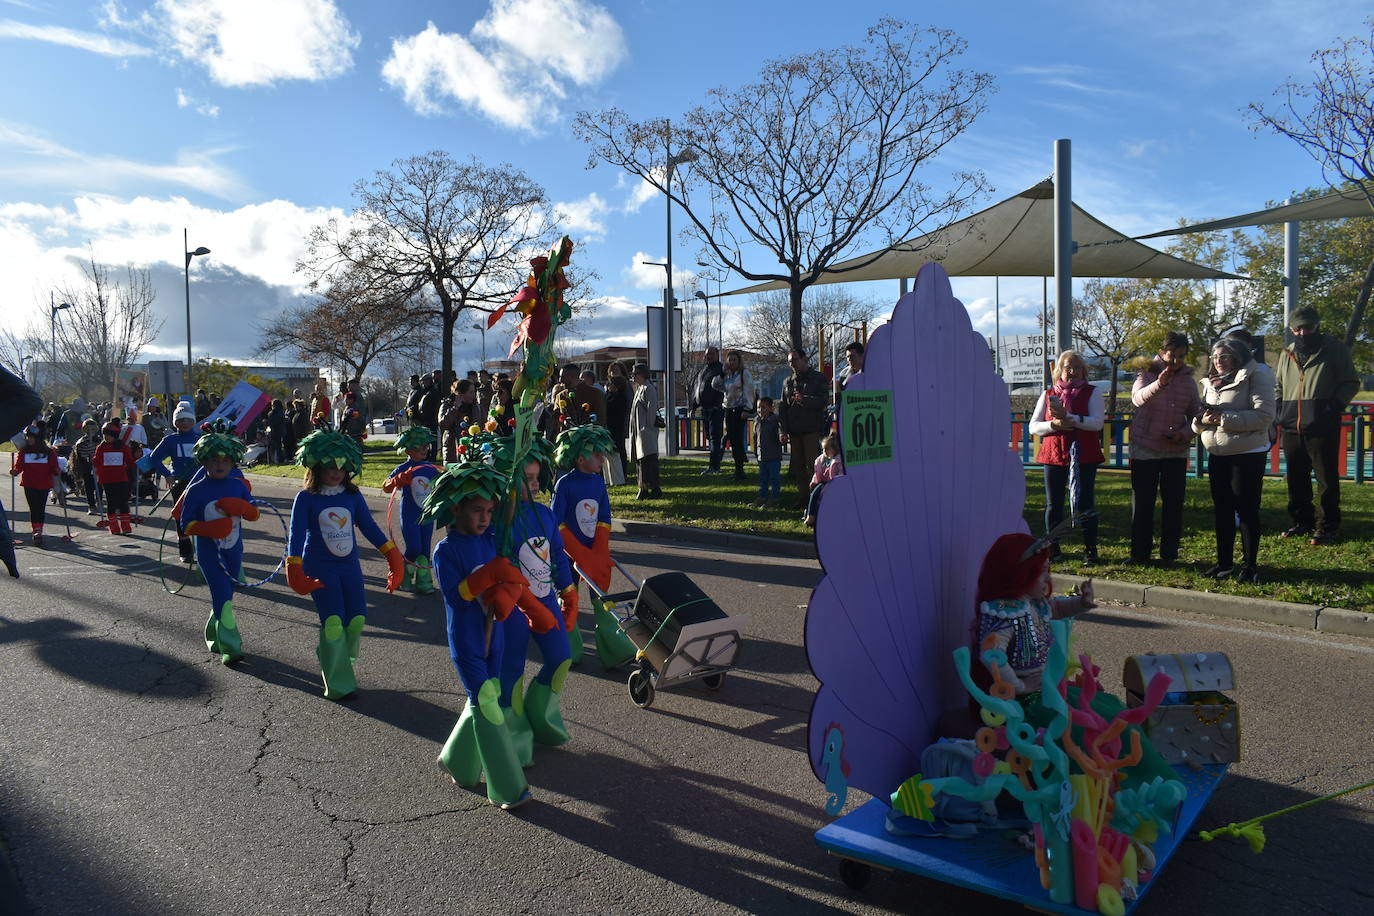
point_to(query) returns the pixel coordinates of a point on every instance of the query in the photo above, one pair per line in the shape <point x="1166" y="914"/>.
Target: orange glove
<point x="396" y="481"/>
<point x="540" y="617"/>
<point x="232" y="505"/>
<point x="300" y="583"/>
<point x="576" y="551"/>
<point x="497" y="571"/>
<point x="396" y="563"/>
<point x="601" y="553"/>
<point x="215" y="528"/>
<point x="570" y="608"/>
<point x="500" y="599"/>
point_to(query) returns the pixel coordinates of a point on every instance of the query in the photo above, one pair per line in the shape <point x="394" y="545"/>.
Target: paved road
<point x="136" y="776"/>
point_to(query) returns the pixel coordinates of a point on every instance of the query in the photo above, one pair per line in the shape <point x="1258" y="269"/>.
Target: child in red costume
<point x="114" y="471"/>
<point x="36" y="467"/>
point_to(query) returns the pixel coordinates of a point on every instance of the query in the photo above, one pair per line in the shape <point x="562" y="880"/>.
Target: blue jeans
<point x="1056" y="490"/>
<point x="770" y="479"/>
<point x="714" y="417"/>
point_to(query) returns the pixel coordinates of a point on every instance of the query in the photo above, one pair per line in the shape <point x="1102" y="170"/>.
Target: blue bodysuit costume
<point x="416" y="535"/>
<point x="538" y="553"/>
<point x="220" y="559"/>
<point x="580" y="502"/>
<point x="322" y="534"/>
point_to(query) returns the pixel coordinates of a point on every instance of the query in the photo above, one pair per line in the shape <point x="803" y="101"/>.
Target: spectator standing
<point x="709" y="398"/>
<point x="297" y="428"/>
<point x="486" y="389"/>
<point x="1316" y="379"/>
<point x="319" y="402"/>
<point x="413" y="401"/>
<point x="1069" y="419"/>
<point x="276" y="432"/>
<point x="617" y="421"/>
<point x="351" y="422"/>
<point x="459" y="411"/>
<point x="430" y="400"/>
<point x="802" y="413"/>
<point x="154" y="423"/>
<point x="643" y="434"/>
<point x="203" y="407"/>
<point x="768" y="449"/>
<point x="854" y="357"/>
<point x="1166" y="403"/>
<point x="1237" y="412"/>
<point x="736" y="387"/>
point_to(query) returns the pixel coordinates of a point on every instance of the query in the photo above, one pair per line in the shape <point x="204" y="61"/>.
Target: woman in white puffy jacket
<point x="1237" y="415"/>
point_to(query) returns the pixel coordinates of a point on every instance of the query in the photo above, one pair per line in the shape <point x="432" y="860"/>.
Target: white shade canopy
<point x="1015" y="238"/>
<point x="1336" y="205"/>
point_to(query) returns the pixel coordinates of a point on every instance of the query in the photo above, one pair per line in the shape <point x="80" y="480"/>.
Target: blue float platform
<point x="992" y="862"/>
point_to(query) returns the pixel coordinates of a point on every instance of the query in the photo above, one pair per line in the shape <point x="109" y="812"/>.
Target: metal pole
<point x="1045" y="330"/>
<point x="1290" y="276"/>
<point x="1063" y="245"/>
<point x="52" y="321"/>
<point x="997" y="324"/>
<point x="669" y="409"/>
<point x="190" y="367"/>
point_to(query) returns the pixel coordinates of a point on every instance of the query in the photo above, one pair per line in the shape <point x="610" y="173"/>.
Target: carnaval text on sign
<point x="867" y="426"/>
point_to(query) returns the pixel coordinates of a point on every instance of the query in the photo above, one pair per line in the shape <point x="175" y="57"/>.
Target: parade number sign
<point x="866" y="427"/>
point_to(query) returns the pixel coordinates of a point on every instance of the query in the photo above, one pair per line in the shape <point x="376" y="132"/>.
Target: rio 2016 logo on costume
<point x="534" y="563"/>
<point x="336" y="526"/>
<point x="585" y="514"/>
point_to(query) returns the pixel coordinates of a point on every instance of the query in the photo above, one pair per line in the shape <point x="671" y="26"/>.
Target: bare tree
<point x="348" y="327"/>
<point x="812" y="161"/>
<point x="1108" y="319"/>
<point x="109" y="323"/>
<point x="766" y="328"/>
<point x="463" y="231"/>
<point x="17" y="349"/>
<point x="1332" y="118"/>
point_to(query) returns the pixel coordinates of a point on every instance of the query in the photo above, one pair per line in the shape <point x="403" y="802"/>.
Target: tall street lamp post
<point x="482" y="326"/>
<point x="669" y="408"/>
<point x="719" y="277"/>
<point x="190" y="370"/>
<point x="53" y="309"/>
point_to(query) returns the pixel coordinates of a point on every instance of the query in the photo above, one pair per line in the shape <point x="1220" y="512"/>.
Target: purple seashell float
<point x="901" y="541"/>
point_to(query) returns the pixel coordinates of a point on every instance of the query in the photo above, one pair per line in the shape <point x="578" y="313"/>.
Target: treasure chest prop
<point x="670" y="601"/>
<point x="1197" y="723"/>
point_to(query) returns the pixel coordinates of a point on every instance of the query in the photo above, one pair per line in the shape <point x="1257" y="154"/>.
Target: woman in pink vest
<point x="1068" y="417"/>
<point x="1166" y="402"/>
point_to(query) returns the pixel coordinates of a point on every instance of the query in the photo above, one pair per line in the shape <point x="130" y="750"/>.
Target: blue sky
<point x="248" y="121"/>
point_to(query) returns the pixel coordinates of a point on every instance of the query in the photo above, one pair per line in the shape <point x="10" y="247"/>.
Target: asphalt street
<point x="138" y="776"/>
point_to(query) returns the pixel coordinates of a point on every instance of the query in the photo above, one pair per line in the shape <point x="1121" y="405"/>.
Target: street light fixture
<point x="719" y="277"/>
<point x="52" y="321"/>
<point x="482" y="326"/>
<point x="190" y="366"/>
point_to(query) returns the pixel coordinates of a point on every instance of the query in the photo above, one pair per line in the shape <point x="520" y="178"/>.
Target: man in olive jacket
<point x="802" y="414"/>
<point x="1315" y="380"/>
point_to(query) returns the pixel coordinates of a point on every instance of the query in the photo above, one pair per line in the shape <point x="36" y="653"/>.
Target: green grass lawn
<point x="1291" y="569"/>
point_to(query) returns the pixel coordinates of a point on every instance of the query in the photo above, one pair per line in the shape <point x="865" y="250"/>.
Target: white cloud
<point x="648" y="276"/>
<point x="248" y="275"/>
<point x="85" y="41"/>
<point x="642" y="193"/>
<point x="584" y="216"/>
<point x="204" y="108"/>
<point x="507" y="63"/>
<point x="256" y="42"/>
<point x="31" y="157"/>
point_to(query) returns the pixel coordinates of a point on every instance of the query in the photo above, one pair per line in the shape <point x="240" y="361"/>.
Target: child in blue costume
<point x="479" y="589"/>
<point x="582" y="508"/>
<point x="177" y="446"/>
<point x="322" y="558"/>
<point x="538" y="549"/>
<point x="413" y="478"/>
<point x="210" y="510"/>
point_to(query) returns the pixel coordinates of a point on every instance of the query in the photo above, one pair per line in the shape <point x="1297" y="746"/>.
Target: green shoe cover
<point x="424" y="577"/>
<point x="335" y="667"/>
<point x="519" y="726"/>
<point x="230" y="646"/>
<point x="241" y="578"/>
<point x="613" y="647"/>
<point x="575" y="647"/>
<point x="353" y="635"/>
<point x="408" y="578"/>
<point x="212" y="634"/>
<point x="459" y="756"/>
<point x="506" y="784"/>
<point x="543" y="712"/>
